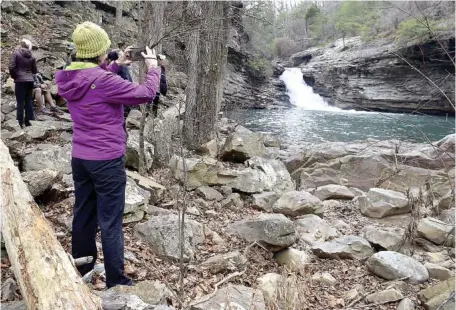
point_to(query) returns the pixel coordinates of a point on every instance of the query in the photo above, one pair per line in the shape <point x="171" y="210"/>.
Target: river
<point x="312" y="120"/>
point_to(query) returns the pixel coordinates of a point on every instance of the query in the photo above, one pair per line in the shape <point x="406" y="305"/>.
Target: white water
<point x="302" y="95"/>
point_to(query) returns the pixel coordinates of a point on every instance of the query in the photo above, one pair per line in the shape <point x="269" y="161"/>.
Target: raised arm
<point x="120" y="91"/>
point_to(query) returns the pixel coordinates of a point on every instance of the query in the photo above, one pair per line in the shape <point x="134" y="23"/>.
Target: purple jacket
<point x="95" y="99"/>
<point x="22" y="66"/>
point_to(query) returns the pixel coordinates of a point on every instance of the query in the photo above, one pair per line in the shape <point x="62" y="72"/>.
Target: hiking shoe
<point x="56" y="110"/>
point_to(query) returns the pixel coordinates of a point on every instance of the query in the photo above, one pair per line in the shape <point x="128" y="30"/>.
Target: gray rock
<point x="15" y="305"/>
<point x="209" y="193"/>
<point x="130" y="256"/>
<point x="333" y="191"/>
<point x="434" y="297"/>
<point x="233" y="201"/>
<point x="271" y="229"/>
<point x="40" y="181"/>
<point x="351" y="247"/>
<point x="151" y="292"/>
<point x="136" y="202"/>
<point x="259" y="175"/>
<point x="226" y="190"/>
<point x="387" y="238"/>
<point x="156" y="190"/>
<point x="392" y="265"/>
<point x="312" y="228"/>
<point x="231" y="261"/>
<point x="436" y="231"/>
<point x="66" y="221"/>
<point x="67" y="180"/>
<point x="9" y="288"/>
<point x="271" y="141"/>
<point x="386" y="296"/>
<point x="324" y="278"/>
<point x="406" y="304"/>
<point x="209" y="148"/>
<point x="438" y="272"/>
<point x="357" y="192"/>
<point x="382" y="202"/>
<point x="447" y="201"/>
<point x="233" y="297"/>
<point x="448" y="216"/>
<point x="66" y="137"/>
<point x="21" y="8"/>
<point x="132" y="152"/>
<point x="51" y="157"/>
<point x="162" y="235"/>
<point x="242" y="144"/>
<point x="7" y="6"/>
<point x="115" y="300"/>
<point x="264" y="201"/>
<point x="268" y="284"/>
<point x="298" y="202"/>
<point x="294" y="259"/>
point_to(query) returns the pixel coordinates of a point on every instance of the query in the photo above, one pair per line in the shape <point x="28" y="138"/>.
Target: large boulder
<point x="46" y="156"/>
<point x="209" y="193"/>
<point x="346" y="247"/>
<point x="381" y="202"/>
<point x="385" y="238"/>
<point x="162" y="235"/>
<point x="40" y="181"/>
<point x="132" y="152"/>
<point x="392" y="266"/>
<point x="232" y="297"/>
<point x="436" y="231"/>
<point x="242" y="144"/>
<point x="136" y="202"/>
<point x="274" y="230"/>
<point x="312" y="228"/>
<point x="259" y="175"/>
<point x="298" y="202"/>
<point x="333" y="191"/>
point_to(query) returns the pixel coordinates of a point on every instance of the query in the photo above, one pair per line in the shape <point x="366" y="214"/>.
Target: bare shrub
<point x="285" y="47"/>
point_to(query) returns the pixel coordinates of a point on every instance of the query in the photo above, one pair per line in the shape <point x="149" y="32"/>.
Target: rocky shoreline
<point x="334" y="215"/>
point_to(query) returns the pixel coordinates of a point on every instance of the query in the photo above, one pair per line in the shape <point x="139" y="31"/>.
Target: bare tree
<point x="206" y="75"/>
<point x="151" y="32"/>
<point x="119" y="10"/>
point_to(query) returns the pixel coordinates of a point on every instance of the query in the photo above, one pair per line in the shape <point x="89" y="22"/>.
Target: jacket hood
<point x="76" y="80"/>
<point x="25" y="53"/>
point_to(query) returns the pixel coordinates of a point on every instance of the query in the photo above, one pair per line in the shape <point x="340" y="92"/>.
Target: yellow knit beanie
<point x="90" y="40"/>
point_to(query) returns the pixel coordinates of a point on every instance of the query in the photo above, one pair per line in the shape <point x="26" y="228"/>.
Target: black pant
<point x="100" y="199"/>
<point x="24" y="92"/>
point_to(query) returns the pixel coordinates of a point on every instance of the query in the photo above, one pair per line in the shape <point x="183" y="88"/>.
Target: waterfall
<point x="302" y="95"/>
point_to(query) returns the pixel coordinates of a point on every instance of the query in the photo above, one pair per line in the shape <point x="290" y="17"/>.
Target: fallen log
<point x="47" y="278"/>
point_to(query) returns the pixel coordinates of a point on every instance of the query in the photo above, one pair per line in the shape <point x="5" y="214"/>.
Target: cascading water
<point x="302" y="95"/>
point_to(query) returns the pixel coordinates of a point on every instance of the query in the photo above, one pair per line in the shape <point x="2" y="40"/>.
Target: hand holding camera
<point x="150" y="58"/>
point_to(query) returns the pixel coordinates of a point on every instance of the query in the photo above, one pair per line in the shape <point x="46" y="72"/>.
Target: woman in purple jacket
<point x="96" y="96"/>
<point x="22" y="67"/>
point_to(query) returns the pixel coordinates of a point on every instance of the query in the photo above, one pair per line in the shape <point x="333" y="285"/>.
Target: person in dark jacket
<point x="22" y="67"/>
<point x="163" y="85"/>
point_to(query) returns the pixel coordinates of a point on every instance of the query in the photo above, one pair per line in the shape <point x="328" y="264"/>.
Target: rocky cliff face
<point x="243" y="86"/>
<point x="49" y="26"/>
<point x="377" y="77"/>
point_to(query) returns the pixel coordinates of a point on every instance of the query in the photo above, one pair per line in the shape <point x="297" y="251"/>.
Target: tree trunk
<point x="201" y="114"/>
<point x="119" y="10"/>
<point x="46" y="276"/>
<point x="151" y="31"/>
